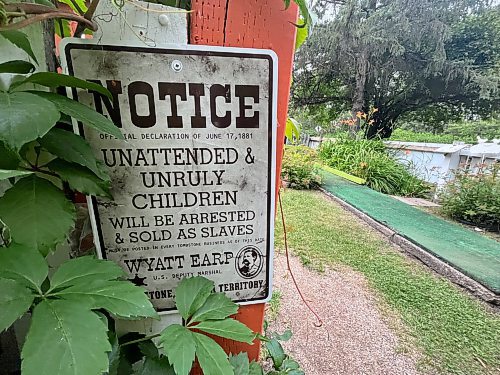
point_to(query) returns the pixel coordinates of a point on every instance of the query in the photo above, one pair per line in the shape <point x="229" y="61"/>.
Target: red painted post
<point x="251" y="24"/>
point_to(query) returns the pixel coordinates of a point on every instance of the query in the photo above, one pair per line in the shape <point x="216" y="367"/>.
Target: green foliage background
<point x="438" y="61"/>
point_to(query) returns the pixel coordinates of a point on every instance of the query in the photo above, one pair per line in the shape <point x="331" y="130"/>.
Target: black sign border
<point x="68" y="48"/>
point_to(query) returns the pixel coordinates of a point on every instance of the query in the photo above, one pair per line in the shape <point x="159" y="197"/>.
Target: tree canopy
<point x="401" y="56"/>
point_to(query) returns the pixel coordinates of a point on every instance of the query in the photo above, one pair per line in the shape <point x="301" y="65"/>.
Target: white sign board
<point x="194" y="181"/>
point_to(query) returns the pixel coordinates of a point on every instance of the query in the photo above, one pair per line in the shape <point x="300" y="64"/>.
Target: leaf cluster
<point x="72" y="310"/>
<point x="371" y="161"/>
<point x="282" y="363"/>
<point x="299" y="168"/>
<point x="204" y="312"/>
<point x="39" y="157"/>
<point x="67" y="334"/>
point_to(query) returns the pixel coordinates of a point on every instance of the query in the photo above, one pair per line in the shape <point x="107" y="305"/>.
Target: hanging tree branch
<point x="80" y="28"/>
<point x="36" y="12"/>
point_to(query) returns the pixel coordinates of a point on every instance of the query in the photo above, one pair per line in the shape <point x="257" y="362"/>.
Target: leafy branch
<point x="64" y="308"/>
<point x="32" y="13"/>
<point x="203" y="311"/>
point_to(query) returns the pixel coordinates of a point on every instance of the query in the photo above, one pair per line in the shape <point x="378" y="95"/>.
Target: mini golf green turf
<point x="473" y="254"/>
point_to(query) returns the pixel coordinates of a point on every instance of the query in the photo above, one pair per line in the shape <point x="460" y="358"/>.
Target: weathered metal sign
<point x="193" y="183"/>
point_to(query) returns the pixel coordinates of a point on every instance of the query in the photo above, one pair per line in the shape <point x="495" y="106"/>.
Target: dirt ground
<point x="355" y="338"/>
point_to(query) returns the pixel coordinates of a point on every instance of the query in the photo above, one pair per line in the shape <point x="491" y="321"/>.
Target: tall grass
<point x="370" y="160"/>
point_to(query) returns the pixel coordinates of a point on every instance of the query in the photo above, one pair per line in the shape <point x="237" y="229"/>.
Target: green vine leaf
<point x="180" y="346"/>
<point x="292" y="130"/>
<point x="65" y="338"/>
<point x="148" y="349"/>
<point x="80" y="178"/>
<point x="53" y="80"/>
<point x="24" y="117"/>
<point x="217" y="306"/>
<point x="191" y="294"/>
<point x="6" y="174"/>
<point x="285" y="336"/>
<point x="300" y="38"/>
<point x="20" y="40"/>
<point x="121" y="298"/>
<point x="24" y="265"/>
<point x="62" y="28"/>
<point x="114" y="354"/>
<point x="72" y="148"/>
<point x="255" y="369"/>
<point x="8" y="158"/>
<point x="17" y="67"/>
<point x="227" y="328"/>
<point x="276" y="352"/>
<point x="81" y="4"/>
<point x="83" y="270"/>
<point x="15" y="300"/>
<point x="212" y="358"/>
<point x="304" y="11"/>
<point x="82" y="113"/>
<point x="37" y="213"/>
<point x="156" y="366"/>
<point x="240" y="364"/>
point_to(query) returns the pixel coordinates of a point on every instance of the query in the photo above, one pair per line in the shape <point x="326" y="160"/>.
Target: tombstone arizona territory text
<point x="193" y="181"/>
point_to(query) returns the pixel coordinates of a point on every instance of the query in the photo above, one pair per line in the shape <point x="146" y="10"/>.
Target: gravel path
<point x="354" y="339"/>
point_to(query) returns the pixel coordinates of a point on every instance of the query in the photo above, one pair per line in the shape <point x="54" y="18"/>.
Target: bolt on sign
<point x="193" y="181"/>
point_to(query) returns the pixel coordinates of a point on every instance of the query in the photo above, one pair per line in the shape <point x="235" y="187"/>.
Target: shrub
<point x="468" y="131"/>
<point x="474" y="198"/>
<point x="412" y="136"/>
<point x="370" y="160"/>
<point x="298" y="167"/>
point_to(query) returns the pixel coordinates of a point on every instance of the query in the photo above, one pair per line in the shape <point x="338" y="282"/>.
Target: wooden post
<point x="251" y="24"/>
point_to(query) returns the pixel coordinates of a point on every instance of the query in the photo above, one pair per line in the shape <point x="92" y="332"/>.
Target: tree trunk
<point x="362" y="64"/>
<point x="358" y="100"/>
<point x="382" y="126"/>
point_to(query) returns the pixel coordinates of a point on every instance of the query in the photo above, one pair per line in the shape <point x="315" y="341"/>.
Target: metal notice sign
<point x="193" y="181"/>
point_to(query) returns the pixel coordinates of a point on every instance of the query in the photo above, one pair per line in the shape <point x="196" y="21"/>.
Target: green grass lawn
<point x="455" y="333"/>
